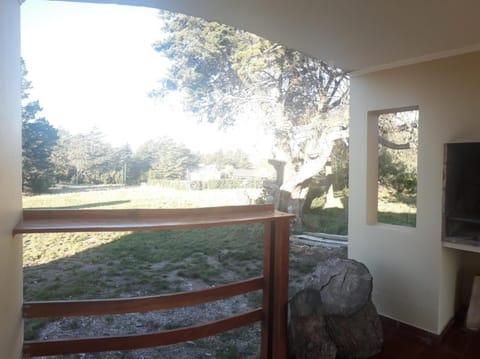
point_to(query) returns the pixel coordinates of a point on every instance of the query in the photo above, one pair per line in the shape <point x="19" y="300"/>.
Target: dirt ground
<point x="239" y="343"/>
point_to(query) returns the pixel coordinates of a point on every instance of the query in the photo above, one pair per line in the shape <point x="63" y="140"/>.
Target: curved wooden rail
<point x="119" y="220"/>
<point x="72" y="308"/>
<point x="129" y="342"/>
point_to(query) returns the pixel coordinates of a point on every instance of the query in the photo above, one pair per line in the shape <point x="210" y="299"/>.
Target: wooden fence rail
<point x="72" y="308"/>
<point x="273" y="283"/>
<point x="130" y="342"/>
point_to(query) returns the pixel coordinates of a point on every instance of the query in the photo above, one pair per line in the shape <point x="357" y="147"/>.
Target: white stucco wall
<point x="414" y="277"/>
<point x="11" y="330"/>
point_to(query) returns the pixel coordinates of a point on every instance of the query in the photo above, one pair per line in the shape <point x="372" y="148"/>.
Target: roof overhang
<point x="356" y="35"/>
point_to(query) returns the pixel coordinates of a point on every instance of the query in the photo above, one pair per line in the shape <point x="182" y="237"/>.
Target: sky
<point x="93" y="65"/>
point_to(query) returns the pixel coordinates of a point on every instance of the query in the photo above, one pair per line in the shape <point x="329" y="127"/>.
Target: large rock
<point x="357" y="336"/>
<point x="345" y="285"/>
<point x="334" y="315"/>
<point x="308" y="337"/>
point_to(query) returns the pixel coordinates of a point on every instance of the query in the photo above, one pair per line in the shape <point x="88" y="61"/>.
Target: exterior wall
<point x="11" y="327"/>
<point x="414" y="276"/>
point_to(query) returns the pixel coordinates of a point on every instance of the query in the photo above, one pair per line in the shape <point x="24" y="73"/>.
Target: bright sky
<point x="93" y="65"/>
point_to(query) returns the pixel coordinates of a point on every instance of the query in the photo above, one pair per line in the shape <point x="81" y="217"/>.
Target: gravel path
<point x="240" y="343"/>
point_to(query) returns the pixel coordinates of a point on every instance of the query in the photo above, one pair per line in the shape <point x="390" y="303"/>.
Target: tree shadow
<point x="65" y="188"/>
<point x="398" y="218"/>
<point x="408" y="199"/>
<point x="86" y="205"/>
<point x="112" y="265"/>
<point x="327" y="220"/>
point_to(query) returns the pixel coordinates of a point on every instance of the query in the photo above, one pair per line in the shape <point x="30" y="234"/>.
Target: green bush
<point x="395" y="174"/>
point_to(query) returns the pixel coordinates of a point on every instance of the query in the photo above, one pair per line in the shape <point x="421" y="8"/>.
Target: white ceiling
<point x="356" y="35"/>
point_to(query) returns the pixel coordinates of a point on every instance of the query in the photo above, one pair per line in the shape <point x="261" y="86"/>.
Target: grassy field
<point x="393" y="209"/>
<point x="104" y="265"/>
<point x="397" y="209"/>
<point x="139" y="197"/>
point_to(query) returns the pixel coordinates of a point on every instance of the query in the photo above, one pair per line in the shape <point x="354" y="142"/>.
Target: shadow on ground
<point x="87" y="205"/>
<point x="109" y="265"/>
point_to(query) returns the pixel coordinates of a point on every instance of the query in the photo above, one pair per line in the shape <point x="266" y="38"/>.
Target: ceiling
<point x="356" y="35"/>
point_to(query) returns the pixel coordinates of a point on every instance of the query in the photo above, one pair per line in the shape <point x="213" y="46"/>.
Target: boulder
<point x="345" y="285"/>
<point x="308" y="337"/>
<point x="357" y="336"/>
<point x="333" y="316"/>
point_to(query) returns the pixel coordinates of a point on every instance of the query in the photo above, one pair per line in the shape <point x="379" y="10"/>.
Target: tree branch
<point x="394" y="146"/>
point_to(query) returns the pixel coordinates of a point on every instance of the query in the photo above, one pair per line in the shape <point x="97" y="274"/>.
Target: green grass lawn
<point x="66" y="266"/>
<point x="396" y="209"/>
<point x="141" y="197"/>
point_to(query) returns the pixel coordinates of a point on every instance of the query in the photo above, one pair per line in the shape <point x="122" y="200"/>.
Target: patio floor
<point x="401" y="341"/>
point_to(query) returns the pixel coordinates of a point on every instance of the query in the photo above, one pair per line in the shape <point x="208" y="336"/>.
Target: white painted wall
<point x="414" y="277"/>
<point x="11" y="326"/>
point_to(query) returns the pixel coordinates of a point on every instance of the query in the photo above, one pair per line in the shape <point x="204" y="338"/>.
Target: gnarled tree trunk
<point x="294" y="190"/>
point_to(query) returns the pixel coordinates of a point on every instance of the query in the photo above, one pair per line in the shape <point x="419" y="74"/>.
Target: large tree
<point x="224" y="159"/>
<point x="38" y="140"/>
<point x="163" y="158"/>
<point x="87" y="158"/>
<point x="223" y="72"/>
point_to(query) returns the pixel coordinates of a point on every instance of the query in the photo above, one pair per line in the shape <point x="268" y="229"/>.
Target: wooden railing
<point x="273" y="283"/>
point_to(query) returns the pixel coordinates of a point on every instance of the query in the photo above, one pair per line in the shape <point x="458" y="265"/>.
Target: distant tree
<point x="122" y="157"/>
<point x="63" y="168"/>
<point x="141" y="162"/>
<point x="86" y="158"/>
<point x="90" y="156"/>
<point x="171" y="160"/>
<point x="221" y="159"/>
<point x="223" y="72"/>
<point x="162" y="158"/>
<point x="38" y="140"/>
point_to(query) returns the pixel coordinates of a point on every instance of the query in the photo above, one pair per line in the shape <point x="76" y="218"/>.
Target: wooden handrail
<point x="111" y="220"/>
<point x="129" y="342"/>
<point x="72" y="308"/>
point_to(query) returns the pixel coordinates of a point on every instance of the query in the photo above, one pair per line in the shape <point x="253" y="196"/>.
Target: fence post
<point x="280" y="243"/>
<point x="266" y="343"/>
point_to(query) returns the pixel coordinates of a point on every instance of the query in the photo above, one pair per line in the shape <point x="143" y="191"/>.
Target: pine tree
<point x="38" y="140"/>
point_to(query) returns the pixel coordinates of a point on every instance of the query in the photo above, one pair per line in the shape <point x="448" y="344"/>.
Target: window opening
<point x="397" y="167"/>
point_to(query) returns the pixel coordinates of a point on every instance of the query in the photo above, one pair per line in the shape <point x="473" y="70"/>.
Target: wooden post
<point x="266" y="344"/>
<point x="280" y="244"/>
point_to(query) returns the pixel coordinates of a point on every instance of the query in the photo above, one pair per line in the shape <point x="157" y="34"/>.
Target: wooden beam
<point x="71" y="308"/>
<point x="266" y="346"/>
<point x="111" y="220"/>
<point x="281" y="243"/>
<point x="129" y="342"/>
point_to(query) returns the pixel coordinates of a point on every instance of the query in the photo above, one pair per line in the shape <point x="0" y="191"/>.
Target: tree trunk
<point x="294" y="191"/>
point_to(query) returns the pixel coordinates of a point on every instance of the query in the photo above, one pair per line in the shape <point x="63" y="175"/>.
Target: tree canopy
<point x="89" y="158"/>
<point x="230" y="158"/>
<point x="166" y="159"/>
<point x="224" y="72"/>
<point x="38" y="140"/>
